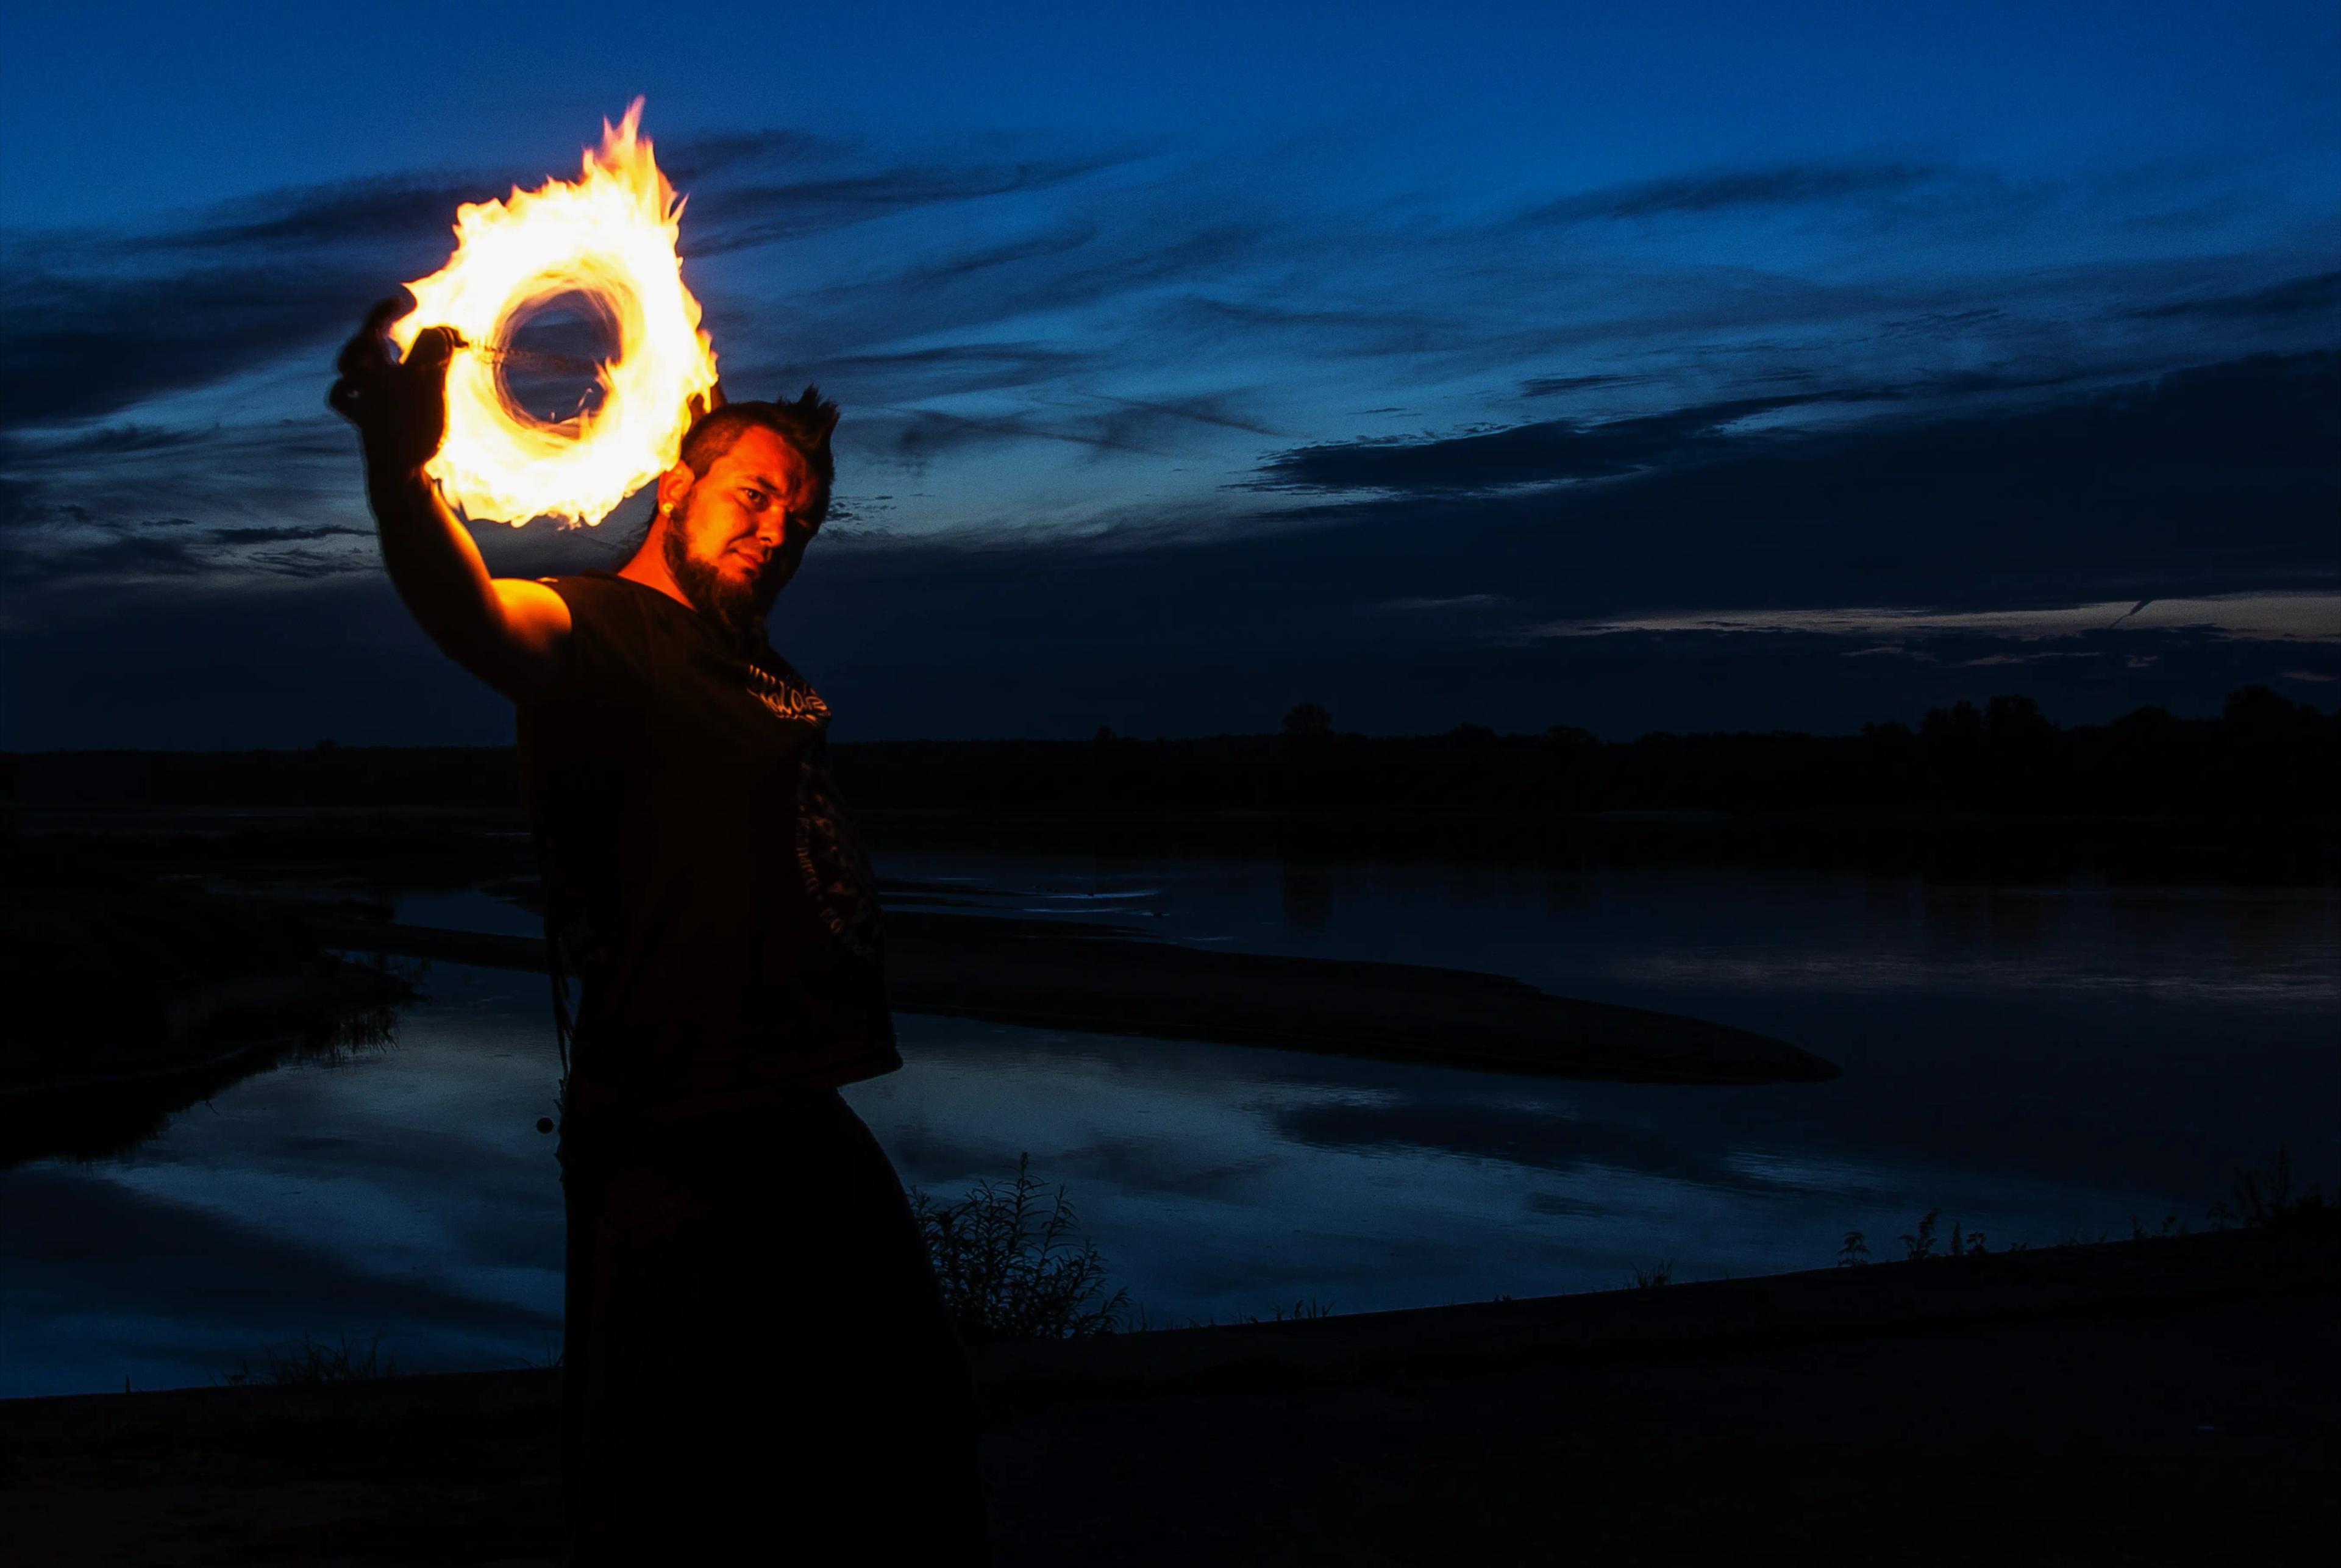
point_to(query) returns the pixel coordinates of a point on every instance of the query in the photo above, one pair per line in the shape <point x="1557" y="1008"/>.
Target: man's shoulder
<point x="618" y="636"/>
<point x="590" y="587"/>
<point x="611" y="605"/>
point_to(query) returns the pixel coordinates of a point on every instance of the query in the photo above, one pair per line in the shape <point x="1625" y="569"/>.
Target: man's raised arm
<point x="507" y="631"/>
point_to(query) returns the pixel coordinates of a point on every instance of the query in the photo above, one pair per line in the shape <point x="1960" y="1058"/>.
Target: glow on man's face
<point x="738" y="534"/>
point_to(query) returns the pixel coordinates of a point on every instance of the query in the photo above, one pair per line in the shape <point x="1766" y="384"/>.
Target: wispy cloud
<point x="1725" y="190"/>
<point x="2305" y="618"/>
<point x="1140" y="380"/>
<point x="113" y="554"/>
<point x="96" y="324"/>
<point x="1539" y="454"/>
<point x="1556" y="385"/>
<point x="1454" y="601"/>
<point x="282" y="535"/>
<point x="736" y="217"/>
<point x="2317" y="295"/>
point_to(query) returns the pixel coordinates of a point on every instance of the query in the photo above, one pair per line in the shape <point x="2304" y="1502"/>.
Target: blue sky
<point x="1667" y="367"/>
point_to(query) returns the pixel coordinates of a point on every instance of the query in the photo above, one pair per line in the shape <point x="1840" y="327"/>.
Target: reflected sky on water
<point x="2037" y="1062"/>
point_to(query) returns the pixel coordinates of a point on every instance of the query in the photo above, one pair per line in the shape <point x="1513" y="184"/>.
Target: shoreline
<point x="1052" y="975"/>
<point x="480" y="838"/>
<point x="2070" y="1404"/>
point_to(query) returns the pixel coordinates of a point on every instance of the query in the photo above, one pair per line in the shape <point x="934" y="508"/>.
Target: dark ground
<point x="2168" y="1401"/>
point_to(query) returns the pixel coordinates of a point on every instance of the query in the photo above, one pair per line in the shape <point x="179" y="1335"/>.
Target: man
<point x="755" y="1349"/>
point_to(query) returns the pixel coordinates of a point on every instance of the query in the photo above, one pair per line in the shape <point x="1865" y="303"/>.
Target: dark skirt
<point x="757" y="1360"/>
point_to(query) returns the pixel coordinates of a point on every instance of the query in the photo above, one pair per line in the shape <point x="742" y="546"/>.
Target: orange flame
<point x="610" y="237"/>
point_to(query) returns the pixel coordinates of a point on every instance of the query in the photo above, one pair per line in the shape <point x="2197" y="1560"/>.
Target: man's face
<point x="736" y="536"/>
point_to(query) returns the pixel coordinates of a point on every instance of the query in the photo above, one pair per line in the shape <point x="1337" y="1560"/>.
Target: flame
<point x="610" y="237"/>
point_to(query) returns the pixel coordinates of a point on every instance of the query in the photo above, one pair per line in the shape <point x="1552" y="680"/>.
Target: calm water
<point x="2037" y="1062"/>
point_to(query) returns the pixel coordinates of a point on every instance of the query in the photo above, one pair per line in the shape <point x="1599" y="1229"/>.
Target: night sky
<point x="1633" y="368"/>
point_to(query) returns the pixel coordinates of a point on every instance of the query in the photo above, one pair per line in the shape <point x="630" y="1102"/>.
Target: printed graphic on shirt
<point x="789" y="694"/>
<point x="836" y="872"/>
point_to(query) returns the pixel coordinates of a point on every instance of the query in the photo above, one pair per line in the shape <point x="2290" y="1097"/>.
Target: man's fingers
<point x="434" y="346"/>
<point x="363" y="351"/>
<point x="342" y="398"/>
<point x="360" y="355"/>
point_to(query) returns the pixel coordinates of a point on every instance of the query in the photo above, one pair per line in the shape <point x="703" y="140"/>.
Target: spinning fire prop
<point x="609" y="239"/>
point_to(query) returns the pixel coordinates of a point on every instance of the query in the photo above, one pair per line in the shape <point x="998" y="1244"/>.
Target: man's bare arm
<point x="507" y="631"/>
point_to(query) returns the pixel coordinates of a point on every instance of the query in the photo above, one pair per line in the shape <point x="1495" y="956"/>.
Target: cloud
<point x="1556" y="385"/>
<point x="729" y="218"/>
<point x="869" y="379"/>
<point x="84" y="348"/>
<point x="2199" y="470"/>
<point x="94" y="325"/>
<point x="1454" y="601"/>
<point x="109" y="441"/>
<point x="313" y="563"/>
<point x="1220" y="410"/>
<point x="353" y="212"/>
<point x="2265" y="617"/>
<point x="1347" y="331"/>
<point x="1539" y="454"/>
<point x="73" y="545"/>
<point x="1222" y="627"/>
<point x="1153" y="427"/>
<point x="282" y="535"/>
<point x="1028" y="353"/>
<point x="109" y="553"/>
<point x="689" y="162"/>
<point x="1006" y="257"/>
<point x="1778" y="186"/>
<point x="2316" y="295"/>
<point x="927" y="433"/>
<point x="1052" y="275"/>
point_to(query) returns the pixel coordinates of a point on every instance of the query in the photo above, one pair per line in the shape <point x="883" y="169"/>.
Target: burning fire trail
<point x="608" y="237"/>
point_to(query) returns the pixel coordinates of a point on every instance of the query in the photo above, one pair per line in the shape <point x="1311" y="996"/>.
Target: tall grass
<point x="2264" y="1197"/>
<point x="307" y="1361"/>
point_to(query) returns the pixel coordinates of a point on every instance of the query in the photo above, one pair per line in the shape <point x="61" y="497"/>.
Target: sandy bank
<point x="1052" y="975"/>
<point x="2161" y="1401"/>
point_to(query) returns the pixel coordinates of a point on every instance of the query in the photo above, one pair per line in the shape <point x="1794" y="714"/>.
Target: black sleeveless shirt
<point x="701" y="881"/>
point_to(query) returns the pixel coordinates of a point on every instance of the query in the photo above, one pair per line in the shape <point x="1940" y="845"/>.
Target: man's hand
<point x="507" y="632"/>
<point x="400" y="409"/>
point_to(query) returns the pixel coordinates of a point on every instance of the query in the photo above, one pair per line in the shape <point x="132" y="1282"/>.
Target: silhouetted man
<point x="756" y="1353"/>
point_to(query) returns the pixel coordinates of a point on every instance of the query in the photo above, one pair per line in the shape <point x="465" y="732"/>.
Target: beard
<point x="738" y="608"/>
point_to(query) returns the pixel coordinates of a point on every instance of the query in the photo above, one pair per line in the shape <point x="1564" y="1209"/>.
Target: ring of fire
<point x="610" y="238"/>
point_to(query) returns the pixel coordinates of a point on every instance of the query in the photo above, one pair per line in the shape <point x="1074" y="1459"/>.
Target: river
<point x="2039" y="1063"/>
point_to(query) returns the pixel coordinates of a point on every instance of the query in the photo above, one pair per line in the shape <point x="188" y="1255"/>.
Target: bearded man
<point x="754" y="1344"/>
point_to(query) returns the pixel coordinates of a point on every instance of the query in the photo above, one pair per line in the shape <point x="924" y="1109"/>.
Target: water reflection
<point x="2038" y="1062"/>
<point x="1221" y="1179"/>
<point x="402" y="1191"/>
<point x="2147" y="1038"/>
<point x="1308" y="895"/>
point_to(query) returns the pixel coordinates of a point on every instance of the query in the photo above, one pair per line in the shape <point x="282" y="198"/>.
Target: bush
<point x="1012" y="1266"/>
<point x="2267" y="1199"/>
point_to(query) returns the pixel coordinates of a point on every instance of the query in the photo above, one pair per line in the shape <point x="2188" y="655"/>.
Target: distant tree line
<point x="325" y="774"/>
<point x="2263" y="754"/>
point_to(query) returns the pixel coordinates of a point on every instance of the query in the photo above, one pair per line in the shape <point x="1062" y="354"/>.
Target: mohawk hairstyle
<point x="804" y="424"/>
